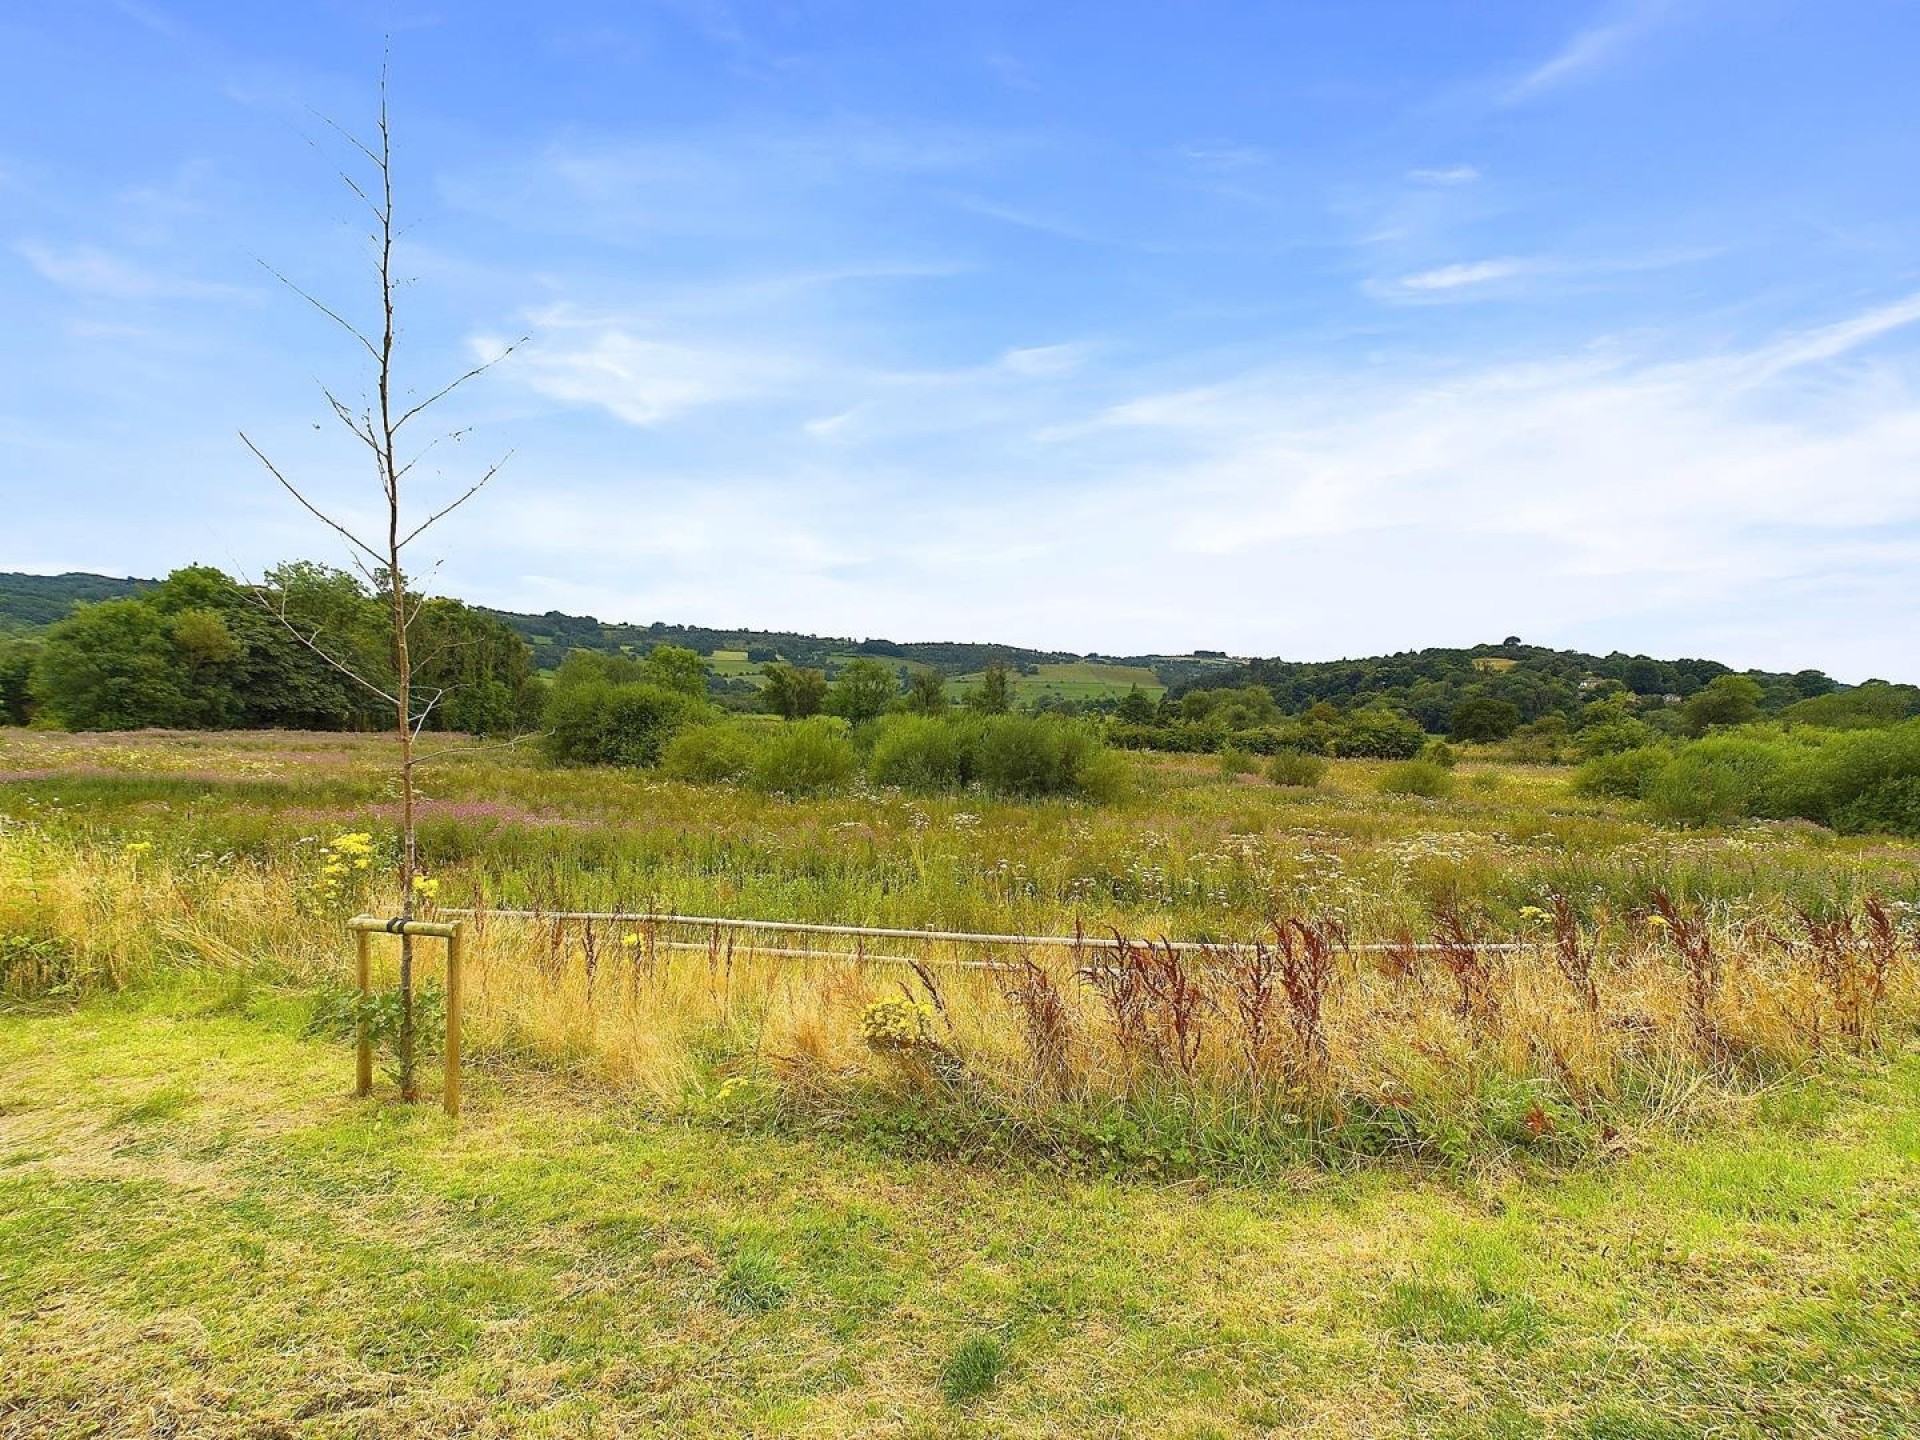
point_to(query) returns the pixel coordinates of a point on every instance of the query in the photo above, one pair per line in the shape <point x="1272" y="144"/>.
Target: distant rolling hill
<point x="30" y="602"/>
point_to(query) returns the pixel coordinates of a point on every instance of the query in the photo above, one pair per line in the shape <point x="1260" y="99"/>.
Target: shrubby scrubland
<point x="618" y="711"/>
<point x="1689" y="741"/>
<point x="1854" y="780"/>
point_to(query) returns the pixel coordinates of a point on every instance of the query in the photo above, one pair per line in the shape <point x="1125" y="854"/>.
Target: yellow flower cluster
<point x="425" y="887"/>
<point x="1657" y="922"/>
<point x="1532" y="912"/>
<point x="137" y="848"/>
<point x="348" y="854"/>
<point x="897" y="1023"/>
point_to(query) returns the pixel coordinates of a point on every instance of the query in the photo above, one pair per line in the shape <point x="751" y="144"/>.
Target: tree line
<point x="201" y="650"/>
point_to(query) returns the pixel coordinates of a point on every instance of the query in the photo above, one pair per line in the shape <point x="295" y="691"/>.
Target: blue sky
<point x="1299" y="329"/>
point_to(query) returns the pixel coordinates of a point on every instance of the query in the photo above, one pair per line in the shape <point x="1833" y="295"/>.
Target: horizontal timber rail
<point x="881" y="932"/>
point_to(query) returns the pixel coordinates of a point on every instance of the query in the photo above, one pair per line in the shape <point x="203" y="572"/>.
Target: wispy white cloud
<point x="1455" y="277"/>
<point x="1596" y="496"/>
<point x="638" y="378"/>
<point x="1589" y="49"/>
<point x="1505" y="275"/>
<point x="89" y="270"/>
<point x="1225" y="159"/>
<point x="1447" y="175"/>
<point x="1037" y="361"/>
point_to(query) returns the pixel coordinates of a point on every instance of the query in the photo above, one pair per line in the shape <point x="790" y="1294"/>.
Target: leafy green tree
<point x="16" y="675"/>
<point x="1135" y="708"/>
<point x="1483" y="718"/>
<point x="994" y="694"/>
<point x="113" y="666"/>
<point x="793" y="692"/>
<point x="477" y="674"/>
<point x="1724" y="700"/>
<point x="864" y="690"/>
<point x="673" y="668"/>
<point x="927" y="692"/>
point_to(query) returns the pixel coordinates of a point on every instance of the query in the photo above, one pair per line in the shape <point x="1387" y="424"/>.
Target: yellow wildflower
<point x="897" y="1023"/>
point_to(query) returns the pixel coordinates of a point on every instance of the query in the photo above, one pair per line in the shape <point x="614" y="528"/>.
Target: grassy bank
<point x="201" y="1235"/>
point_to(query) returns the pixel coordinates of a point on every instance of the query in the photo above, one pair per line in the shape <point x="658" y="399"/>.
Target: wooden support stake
<point x="450" y="1086"/>
<point x="363" y="974"/>
<point x="364" y="927"/>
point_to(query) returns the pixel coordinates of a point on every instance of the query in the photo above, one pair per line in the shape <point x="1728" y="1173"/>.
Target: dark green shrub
<point x="596" y="723"/>
<point x="1416" y="777"/>
<point x="1380" y="734"/>
<point x="807" y="757"/>
<point x="1718" y="782"/>
<point x="1296" y="767"/>
<point x="1439" y="752"/>
<point x="1614" y="737"/>
<point x="925" y="753"/>
<point x="1484" y="718"/>
<point x="1540" y="742"/>
<point x="712" y="752"/>
<point x="1863" y="781"/>
<point x="1035" y="755"/>
<point x="1621" y="776"/>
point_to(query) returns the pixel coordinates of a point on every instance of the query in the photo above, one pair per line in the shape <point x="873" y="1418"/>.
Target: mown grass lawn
<point x="201" y="1234"/>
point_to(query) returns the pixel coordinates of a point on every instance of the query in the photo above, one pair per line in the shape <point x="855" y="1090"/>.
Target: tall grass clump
<point x="1291" y="1046"/>
<point x="1296" y="768"/>
<point x="1423" y="778"/>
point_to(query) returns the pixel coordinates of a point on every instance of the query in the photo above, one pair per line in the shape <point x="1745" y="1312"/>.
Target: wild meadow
<point x="1503" y="1111"/>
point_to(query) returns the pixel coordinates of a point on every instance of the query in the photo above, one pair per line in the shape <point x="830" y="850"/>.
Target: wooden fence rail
<point x="883" y="932"/>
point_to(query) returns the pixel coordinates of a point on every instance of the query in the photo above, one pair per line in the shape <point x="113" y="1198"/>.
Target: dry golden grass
<point x="1462" y="1050"/>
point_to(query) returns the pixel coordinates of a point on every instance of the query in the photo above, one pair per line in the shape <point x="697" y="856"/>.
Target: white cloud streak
<point x="1596" y="498"/>
<point x="1587" y="50"/>
<point x="89" y="270"/>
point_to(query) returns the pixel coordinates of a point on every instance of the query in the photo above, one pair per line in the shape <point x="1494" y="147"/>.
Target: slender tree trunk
<point x="397" y="596"/>
<point x="380" y="432"/>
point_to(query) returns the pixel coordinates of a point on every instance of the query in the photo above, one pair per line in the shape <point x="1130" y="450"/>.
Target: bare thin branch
<point x="421" y="723"/>
<point x="430" y="447"/>
<point x="456" y="383"/>
<point x="361" y="426"/>
<point x="446" y="510"/>
<point x="346" y="134"/>
<point x="329" y="312"/>
<point x="308" y="505"/>
<point x="512" y="742"/>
